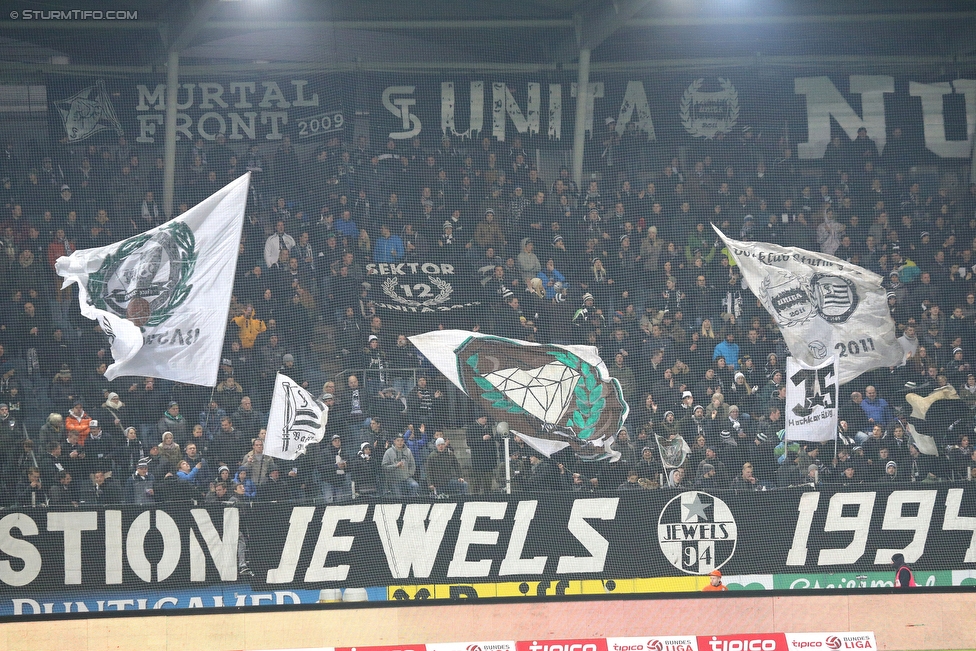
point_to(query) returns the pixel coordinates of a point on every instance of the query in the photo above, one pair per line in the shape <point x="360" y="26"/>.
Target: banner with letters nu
<point x="823" y="305"/>
<point x="811" y="400"/>
<point x="681" y="107"/>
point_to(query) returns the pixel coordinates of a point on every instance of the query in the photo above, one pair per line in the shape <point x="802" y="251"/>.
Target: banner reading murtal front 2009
<point x="823" y="305"/>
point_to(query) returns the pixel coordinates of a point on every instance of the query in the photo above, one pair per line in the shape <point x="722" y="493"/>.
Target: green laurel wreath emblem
<point x="589" y="396"/>
<point x="185" y="243"/>
<point x="497" y="399"/>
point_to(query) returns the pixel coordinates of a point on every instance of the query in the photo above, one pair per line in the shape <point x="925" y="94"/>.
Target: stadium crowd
<point x="627" y="263"/>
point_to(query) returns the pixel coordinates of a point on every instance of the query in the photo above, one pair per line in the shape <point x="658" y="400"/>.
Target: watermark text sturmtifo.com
<point x="74" y="14"/>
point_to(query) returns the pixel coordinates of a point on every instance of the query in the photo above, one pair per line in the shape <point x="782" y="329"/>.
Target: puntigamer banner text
<point x="935" y="114"/>
<point x="519" y="547"/>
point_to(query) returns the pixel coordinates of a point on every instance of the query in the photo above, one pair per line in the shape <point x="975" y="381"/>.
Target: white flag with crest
<point x="823" y="306"/>
<point x="296" y="420"/>
<point x="811" y="401"/>
<point x="162" y="297"/>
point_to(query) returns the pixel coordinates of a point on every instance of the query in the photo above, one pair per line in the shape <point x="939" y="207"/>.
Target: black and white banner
<point x="811" y="400"/>
<point x="553" y="537"/>
<point x="823" y="305"/>
<point x="419" y="287"/>
<point x="935" y="113"/>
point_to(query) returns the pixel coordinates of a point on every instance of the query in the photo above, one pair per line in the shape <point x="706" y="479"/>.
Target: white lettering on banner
<point x="476" y="121"/>
<point x="952" y="521"/>
<point x="329" y="542"/>
<point x="415" y="546"/>
<point x="242" y="88"/>
<point x="933" y="116"/>
<point x="594" y="91"/>
<point x="504" y="103"/>
<point x="807" y="507"/>
<point x="212" y="123"/>
<point x="513" y="563"/>
<point x="135" y="550"/>
<point x="113" y="547"/>
<point x="72" y="524"/>
<point x="824" y="101"/>
<point x="406" y="268"/>
<point x="636" y="106"/>
<point x="28" y="606"/>
<point x="298" y="523"/>
<point x="18" y="549"/>
<point x="223" y="551"/>
<point x="400" y="107"/>
<point x="590" y="538"/>
<point x="742" y="645"/>
<point x="918" y="523"/>
<point x="555" y="131"/>
<point x="467" y="535"/>
<point x="860" y="524"/>
<point x="535" y="646"/>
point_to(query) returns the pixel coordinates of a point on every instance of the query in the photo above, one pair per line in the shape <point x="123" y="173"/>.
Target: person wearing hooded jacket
<point x="113" y="415"/>
<point x="365" y="470"/>
<point x="172" y="421"/>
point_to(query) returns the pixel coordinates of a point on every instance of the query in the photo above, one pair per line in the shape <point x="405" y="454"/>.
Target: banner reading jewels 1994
<point x="533" y="545"/>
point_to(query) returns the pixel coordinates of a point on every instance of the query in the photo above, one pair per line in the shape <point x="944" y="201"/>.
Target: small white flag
<point x="162" y="296"/>
<point x="811" y="401"/>
<point x="823" y="305"/>
<point x="296" y="420"/>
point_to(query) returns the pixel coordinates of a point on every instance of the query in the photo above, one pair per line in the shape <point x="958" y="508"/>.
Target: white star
<point x="695" y="508"/>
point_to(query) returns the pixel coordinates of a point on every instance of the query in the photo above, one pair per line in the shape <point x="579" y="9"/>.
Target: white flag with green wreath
<point x="162" y="297"/>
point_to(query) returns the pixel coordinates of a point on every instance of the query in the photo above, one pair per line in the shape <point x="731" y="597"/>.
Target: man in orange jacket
<point x="78" y="421"/>
<point x="715" y="582"/>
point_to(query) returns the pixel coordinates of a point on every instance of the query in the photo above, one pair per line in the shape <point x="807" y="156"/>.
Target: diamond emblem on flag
<point x="544" y="392"/>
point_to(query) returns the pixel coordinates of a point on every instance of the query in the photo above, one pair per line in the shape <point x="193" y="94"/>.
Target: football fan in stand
<point x="714" y="582"/>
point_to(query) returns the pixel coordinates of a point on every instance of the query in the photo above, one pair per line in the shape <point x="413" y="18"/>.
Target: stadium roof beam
<point x="502" y="24"/>
<point x="596" y="23"/>
<point x="831" y="19"/>
<point x="793" y="61"/>
<point x="189" y="28"/>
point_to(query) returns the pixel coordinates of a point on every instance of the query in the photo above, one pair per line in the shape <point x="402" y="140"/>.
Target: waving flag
<point x="553" y="397"/>
<point x="296" y="420"/>
<point x="823" y="306"/>
<point x="162" y="296"/>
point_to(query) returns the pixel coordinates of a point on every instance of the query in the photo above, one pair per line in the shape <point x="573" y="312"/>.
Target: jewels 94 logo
<point x="697" y="532"/>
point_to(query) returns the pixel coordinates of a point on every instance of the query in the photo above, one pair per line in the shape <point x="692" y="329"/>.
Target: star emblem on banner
<point x="694" y="508"/>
